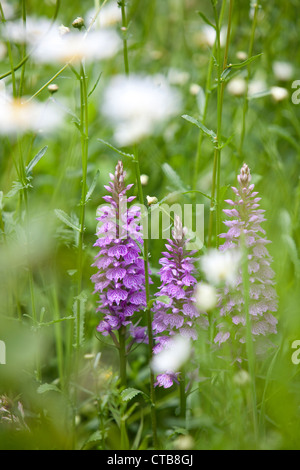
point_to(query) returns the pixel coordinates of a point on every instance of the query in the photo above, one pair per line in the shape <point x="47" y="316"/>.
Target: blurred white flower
<point x="77" y="46"/>
<point x="137" y="105"/>
<point x="178" y="77"/>
<point x="283" y="70"/>
<point x="18" y="117"/>
<point x="151" y="200"/>
<point x="8" y="10"/>
<point x="208" y="35"/>
<point x="242" y="55"/>
<point x="31" y="32"/>
<point x="278" y="93"/>
<point x="175" y="354"/>
<point x="220" y="267"/>
<point x="257" y="86"/>
<point x="109" y="15"/>
<point x="144" y="180"/>
<point x="194" y="89"/>
<point x="3" y="50"/>
<point x="237" y="86"/>
<point x="206" y="297"/>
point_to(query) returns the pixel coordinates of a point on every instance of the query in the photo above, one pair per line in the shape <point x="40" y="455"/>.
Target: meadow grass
<point x="75" y="389"/>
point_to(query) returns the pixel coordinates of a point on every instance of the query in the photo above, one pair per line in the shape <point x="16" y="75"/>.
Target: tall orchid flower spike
<point x="120" y="280"/>
<point x="180" y="315"/>
<point x="245" y="229"/>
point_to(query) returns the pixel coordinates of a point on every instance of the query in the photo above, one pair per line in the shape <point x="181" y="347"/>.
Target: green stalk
<point x="9" y="51"/>
<point x="84" y="156"/>
<point x="122" y="356"/>
<point x="250" y="52"/>
<point x="22" y="78"/>
<point x="207" y="96"/>
<point x="215" y="205"/>
<point x="148" y="311"/>
<point x="146" y="250"/>
<point x="124" y="29"/>
<point x="182" y="395"/>
<point x="58" y="339"/>
<point x="23" y="180"/>
<point x="249" y="340"/>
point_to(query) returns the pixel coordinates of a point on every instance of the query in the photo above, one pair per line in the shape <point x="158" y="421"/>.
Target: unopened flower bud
<point x="63" y="30"/>
<point x="152" y="200"/>
<point x="144" y="179"/>
<point x="53" y="88"/>
<point x="242" y="55"/>
<point x="278" y="93"/>
<point x="244" y="177"/>
<point x="78" y="23"/>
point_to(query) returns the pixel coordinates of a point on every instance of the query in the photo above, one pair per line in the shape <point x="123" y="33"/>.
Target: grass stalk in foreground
<point x="215" y="206"/>
<point x="205" y="108"/>
<point x="250" y="52"/>
<point x="146" y="247"/>
<point x="249" y="341"/>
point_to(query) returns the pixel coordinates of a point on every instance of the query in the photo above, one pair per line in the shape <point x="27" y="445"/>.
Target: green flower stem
<point x="250" y="52"/>
<point x="9" y="51"/>
<point x="124" y="30"/>
<point x="205" y="109"/>
<point x="249" y="340"/>
<point x="24" y="53"/>
<point x="146" y="248"/>
<point x="123" y="356"/>
<point x="182" y="395"/>
<point x="58" y="337"/>
<point x="215" y="206"/>
<point x="22" y="172"/>
<point x="84" y="158"/>
<point x="148" y="311"/>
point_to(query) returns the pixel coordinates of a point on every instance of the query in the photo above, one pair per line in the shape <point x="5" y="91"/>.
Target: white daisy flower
<point x="237" y="86"/>
<point x="31" y="32"/>
<point x="110" y="14"/>
<point x="206" y="297"/>
<point x="174" y="355"/>
<point x="283" y="70"/>
<point x="278" y="93"/>
<point x="220" y="267"/>
<point x="77" y="46"/>
<point x="136" y="105"/>
<point x="21" y="116"/>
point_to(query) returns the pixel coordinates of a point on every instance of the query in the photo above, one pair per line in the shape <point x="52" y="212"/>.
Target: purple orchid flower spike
<point x="245" y="228"/>
<point x="179" y="316"/>
<point x="120" y="280"/>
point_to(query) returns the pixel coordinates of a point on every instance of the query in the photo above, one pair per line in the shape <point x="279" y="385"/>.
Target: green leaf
<point x="238" y="66"/>
<point x="47" y="388"/>
<point x="16" y="187"/>
<point x="53" y="322"/>
<point x="162" y="298"/>
<point x="129" y="393"/>
<point x="120" y="152"/>
<point x="35" y="160"/>
<point x="210" y="133"/>
<point x="205" y="19"/>
<point x="201" y="100"/>
<point x="92" y="187"/>
<point x="1" y="201"/>
<point x="66" y="219"/>
<point x="95" y="86"/>
<point x="173" y="177"/>
<point x="79" y="303"/>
